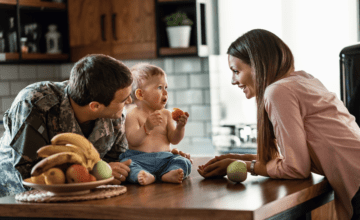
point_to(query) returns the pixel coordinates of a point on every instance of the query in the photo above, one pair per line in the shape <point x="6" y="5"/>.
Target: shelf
<point x="44" y="56"/>
<point x="166" y="51"/>
<point x="8" y="56"/>
<point x="42" y="4"/>
<point x="8" y="2"/>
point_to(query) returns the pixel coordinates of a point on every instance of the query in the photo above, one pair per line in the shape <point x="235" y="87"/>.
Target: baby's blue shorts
<point x="157" y="163"/>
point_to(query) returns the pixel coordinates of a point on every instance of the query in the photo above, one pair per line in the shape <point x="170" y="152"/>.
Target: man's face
<point x="116" y="106"/>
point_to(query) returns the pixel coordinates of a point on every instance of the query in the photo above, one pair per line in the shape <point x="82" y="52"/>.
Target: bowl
<point x="69" y="188"/>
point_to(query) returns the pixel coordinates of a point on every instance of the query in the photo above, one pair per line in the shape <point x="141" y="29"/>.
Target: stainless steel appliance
<point x="350" y="79"/>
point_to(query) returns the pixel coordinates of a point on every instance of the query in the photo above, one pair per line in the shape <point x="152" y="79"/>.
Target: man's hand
<point x="120" y="170"/>
<point x="176" y="151"/>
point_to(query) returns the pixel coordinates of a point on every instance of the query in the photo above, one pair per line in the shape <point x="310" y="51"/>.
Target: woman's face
<point x="243" y="76"/>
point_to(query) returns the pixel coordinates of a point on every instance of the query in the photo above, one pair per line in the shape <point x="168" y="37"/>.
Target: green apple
<point x="101" y="170"/>
<point x="236" y="171"/>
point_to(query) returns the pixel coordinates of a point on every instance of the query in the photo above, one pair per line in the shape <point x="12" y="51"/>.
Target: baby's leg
<point x="145" y="178"/>
<point x="173" y="176"/>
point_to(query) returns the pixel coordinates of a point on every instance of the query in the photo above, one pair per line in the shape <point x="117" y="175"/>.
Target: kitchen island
<point x="196" y="198"/>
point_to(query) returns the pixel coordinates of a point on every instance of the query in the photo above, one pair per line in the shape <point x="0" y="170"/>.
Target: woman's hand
<point x="217" y="168"/>
<point x="176" y="151"/>
<point x="120" y="170"/>
<point x="244" y="157"/>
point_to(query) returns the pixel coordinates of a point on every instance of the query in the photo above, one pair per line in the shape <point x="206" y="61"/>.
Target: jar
<point x="53" y="40"/>
<point x="23" y="43"/>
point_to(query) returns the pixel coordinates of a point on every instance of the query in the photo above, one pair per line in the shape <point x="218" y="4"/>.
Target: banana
<point x="55" y="160"/>
<point x="49" y="150"/>
<point x="92" y="155"/>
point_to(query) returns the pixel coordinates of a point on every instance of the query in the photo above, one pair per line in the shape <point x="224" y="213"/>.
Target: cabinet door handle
<point x="102" y="26"/>
<point x="114" y="26"/>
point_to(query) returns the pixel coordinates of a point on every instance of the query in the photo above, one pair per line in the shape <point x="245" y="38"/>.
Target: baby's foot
<point x="145" y="178"/>
<point x="173" y="176"/>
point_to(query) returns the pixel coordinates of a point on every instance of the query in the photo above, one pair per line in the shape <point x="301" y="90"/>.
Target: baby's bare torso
<point x="157" y="140"/>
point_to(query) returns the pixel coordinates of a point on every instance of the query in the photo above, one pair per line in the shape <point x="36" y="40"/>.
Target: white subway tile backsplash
<point x="200" y="112"/>
<point x="199" y="81"/>
<point x="184" y="143"/>
<point x="169" y="65"/>
<point x="195" y="129"/>
<point x="208" y="127"/>
<point x="46" y="72"/>
<point x="189" y="97"/>
<point x="16" y="87"/>
<point x="171" y="98"/>
<point x="158" y="63"/>
<point x="189" y="90"/>
<point x="4" y="88"/>
<point x="131" y="63"/>
<point x="65" y="70"/>
<point x="201" y="141"/>
<point x="9" y="72"/>
<point x="205" y="64"/>
<point x="6" y="103"/>
<point x="189" y="65"/>
<point x="207" y="97"/>
<point x="27" y="71"/>
<point x="177" y="82"/>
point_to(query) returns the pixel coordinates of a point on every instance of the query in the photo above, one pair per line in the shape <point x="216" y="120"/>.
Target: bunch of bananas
<point x="66" y="148"/>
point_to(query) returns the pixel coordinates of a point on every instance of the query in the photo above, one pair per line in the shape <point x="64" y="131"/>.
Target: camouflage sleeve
<point x="120" y="145"/>
<point x="25" y="132"/>
<point x="118" y="148"/>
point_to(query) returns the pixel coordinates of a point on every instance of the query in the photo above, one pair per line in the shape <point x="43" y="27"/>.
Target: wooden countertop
<point x="196" y="198"/>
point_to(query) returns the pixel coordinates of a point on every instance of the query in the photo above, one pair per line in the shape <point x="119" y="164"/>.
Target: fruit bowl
<point x="69" y="188"/>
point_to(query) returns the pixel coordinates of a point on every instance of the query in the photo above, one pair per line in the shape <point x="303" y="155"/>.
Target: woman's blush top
<point x="315" y="133"/>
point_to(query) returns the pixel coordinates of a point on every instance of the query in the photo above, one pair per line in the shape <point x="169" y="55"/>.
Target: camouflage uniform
<point x="39" y="112"/>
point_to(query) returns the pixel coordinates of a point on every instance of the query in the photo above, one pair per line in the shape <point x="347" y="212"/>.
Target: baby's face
<point x="155" y="92"/>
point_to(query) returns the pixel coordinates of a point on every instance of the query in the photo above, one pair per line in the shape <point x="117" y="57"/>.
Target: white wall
<point x="315" y="30"/>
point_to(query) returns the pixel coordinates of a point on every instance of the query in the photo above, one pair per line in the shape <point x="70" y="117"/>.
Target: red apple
<point x="77" y="173"/>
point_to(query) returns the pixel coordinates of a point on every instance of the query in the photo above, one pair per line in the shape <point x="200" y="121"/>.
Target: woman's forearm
<point x="259" y="169"/>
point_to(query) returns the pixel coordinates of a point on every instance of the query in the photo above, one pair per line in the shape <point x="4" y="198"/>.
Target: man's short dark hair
<point x="96" y="78"/>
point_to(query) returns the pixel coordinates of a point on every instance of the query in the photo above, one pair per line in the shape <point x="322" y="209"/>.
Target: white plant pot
<point x="179" y="36"/>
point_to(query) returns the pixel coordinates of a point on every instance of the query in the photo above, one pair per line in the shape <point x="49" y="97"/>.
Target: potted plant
<point x="178" y="29"/>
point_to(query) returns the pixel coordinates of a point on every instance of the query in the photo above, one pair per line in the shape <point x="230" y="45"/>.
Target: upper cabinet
<point x="123" y="29"/>
<point x="133" y="29"/>
<point x="89" y="26"/>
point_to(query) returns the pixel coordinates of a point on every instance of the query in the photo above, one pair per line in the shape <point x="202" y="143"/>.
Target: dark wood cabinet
<point x="134" y="30"/>
<point x="89" y="27"/>
<point x="123" y="29"/>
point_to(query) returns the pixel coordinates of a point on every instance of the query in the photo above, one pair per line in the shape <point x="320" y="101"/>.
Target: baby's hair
<point x="142" y="72"/>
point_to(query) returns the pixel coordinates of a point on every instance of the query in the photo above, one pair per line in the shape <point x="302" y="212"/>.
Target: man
<point x="90" y="103"/>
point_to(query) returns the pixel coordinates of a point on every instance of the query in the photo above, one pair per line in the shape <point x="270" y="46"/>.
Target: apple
<point x="101" y="170"/>
<point x="77" y="173"/>
<point x="236" y="171"/>
<point x="54" y="176"/>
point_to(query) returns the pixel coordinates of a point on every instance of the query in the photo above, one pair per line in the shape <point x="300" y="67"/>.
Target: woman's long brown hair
<point x="271" y="59"/>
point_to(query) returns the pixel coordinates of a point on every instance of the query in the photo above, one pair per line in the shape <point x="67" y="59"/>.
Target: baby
<point x="150" y="130"/>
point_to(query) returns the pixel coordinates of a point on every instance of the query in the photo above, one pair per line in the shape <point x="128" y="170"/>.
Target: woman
<point x="297" y="115"/>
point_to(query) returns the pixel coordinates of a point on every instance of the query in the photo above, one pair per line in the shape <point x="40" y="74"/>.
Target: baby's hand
<point x="154" y="119"/>
<point x="182" y="120"/>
